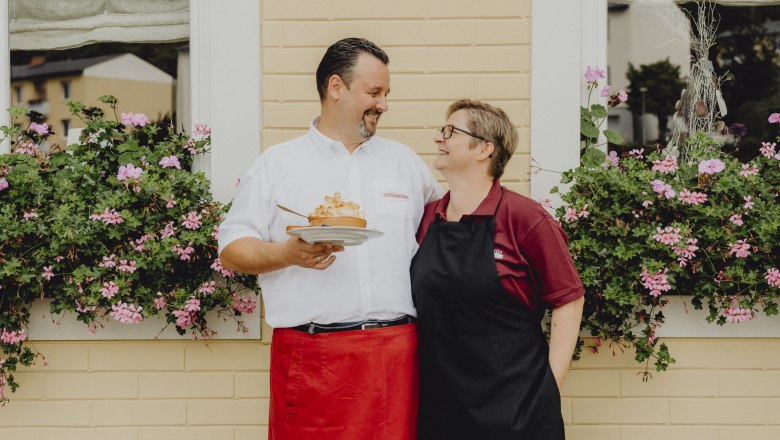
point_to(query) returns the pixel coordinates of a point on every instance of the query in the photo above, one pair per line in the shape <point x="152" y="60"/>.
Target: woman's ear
<point x="486" y="150"/>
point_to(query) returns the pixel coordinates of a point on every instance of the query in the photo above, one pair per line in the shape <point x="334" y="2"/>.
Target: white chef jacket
<point x="370" y="281"/>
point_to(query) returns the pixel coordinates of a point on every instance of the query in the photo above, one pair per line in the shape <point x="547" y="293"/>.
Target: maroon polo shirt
<point x="530" y="247"/>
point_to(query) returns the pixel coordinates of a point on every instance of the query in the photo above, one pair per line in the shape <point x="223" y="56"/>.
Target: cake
<point x="337" y="212"/>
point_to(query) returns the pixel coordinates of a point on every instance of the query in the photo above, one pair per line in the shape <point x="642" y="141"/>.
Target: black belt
<point x="314" y="328"/>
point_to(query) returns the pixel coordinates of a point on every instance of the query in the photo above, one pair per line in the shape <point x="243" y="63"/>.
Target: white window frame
<point x="225" y="94"/>
<point x="566" y="37"/>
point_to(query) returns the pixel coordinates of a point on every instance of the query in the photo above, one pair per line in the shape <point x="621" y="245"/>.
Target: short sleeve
<point x="555" y="277"/>
<point x="249" y="214"/>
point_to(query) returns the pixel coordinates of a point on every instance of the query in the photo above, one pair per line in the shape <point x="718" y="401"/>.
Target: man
<point x="343" y="357"/>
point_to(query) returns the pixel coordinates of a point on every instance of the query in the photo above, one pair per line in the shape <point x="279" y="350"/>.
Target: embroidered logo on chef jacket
<point x="498" y="254"/>
<point x="393" y="198"/>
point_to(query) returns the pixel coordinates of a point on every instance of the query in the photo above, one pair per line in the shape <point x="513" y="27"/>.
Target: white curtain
<point x="64" y="24"/>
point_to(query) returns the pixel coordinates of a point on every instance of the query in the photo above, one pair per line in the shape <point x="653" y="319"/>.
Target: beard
<point x="368" y="130"/>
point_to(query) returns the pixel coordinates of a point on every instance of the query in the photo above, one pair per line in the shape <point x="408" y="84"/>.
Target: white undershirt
<point x="371" y="281"/>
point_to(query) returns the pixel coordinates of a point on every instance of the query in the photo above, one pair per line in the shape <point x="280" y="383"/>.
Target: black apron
<point x="484" y="368"/>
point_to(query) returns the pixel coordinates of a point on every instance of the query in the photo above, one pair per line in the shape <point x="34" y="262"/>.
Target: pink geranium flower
<point x="135" y="119"/>
<point x="41" y="129"/>
<point x="735" y="314"/>
<point x="692" y="197"/>
<point x="244" y="304"/>
<point x="767" y="149"/>
<point x="655" y="283"/>
<point x="3" y="183"/>
<point x="109" y="289"/>
<point x="773" y="277"/>
<point x="593" y="74"/>
<point x="47" y="273"/>
<point x="662" y="188"/>
<point x="129" y="171"/>
<point x="748" y="202"/>
<point x="668" y="165"/>
<point x="170" y="162"/>
<point x="126" y="313"/>
<point x="736" y="219"/>
<point x="774" y="118"/>
<point x="622" y="96"/>
<point x="606" y="91"/>
<point x="637" y="152"/>
<point x="669" y="235"/>
<point x="748" y="170"/>
<point x="13" y="337"/>
<point x="741" y="249"/>
<point x="711" y="166"/>
<point x="192" y="220"/>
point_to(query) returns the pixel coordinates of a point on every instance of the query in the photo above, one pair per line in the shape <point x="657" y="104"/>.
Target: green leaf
<point x="598" y="111"/>
<point x="593" y="158"/>
<point x="588" y="129"/>
<point x="613" y="137"/>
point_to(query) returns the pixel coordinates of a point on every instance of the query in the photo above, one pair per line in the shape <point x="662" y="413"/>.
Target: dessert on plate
<point x="337" y="212"/>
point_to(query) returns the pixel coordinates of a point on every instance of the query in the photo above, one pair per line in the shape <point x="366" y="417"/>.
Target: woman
<point x="490" y="262"/>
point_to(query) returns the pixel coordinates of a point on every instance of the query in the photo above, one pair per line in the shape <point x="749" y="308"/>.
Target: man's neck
<point x="350" y="137"/>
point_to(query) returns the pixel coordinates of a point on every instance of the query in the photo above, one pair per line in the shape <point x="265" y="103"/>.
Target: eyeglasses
<point x="447" y="130"/>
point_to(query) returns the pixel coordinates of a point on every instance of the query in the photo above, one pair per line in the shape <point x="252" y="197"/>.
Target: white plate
<point x="343" y="235"/>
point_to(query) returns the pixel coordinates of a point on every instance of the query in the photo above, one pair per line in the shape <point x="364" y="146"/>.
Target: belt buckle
<point x="370" y="325"/>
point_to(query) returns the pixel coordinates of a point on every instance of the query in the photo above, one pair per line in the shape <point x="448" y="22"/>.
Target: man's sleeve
<point x="249" y="215"/>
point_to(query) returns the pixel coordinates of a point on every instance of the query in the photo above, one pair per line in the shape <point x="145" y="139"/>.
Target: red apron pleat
<point x="345" y="385"/>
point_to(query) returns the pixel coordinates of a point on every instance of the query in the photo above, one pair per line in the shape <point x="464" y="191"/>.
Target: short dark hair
<point x="340" y="59"/>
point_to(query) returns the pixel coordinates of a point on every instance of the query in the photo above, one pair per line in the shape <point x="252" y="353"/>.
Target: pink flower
<point x="170" y="202"/>
<point x="183" y="318"/>
<point x="192" y="220"/>
<point x="192" y="305"/>
<point x="244" y="304"/>
<point x="711" y="166"/>
<point x="109" y="289"/>
<point x="217" y="266"/>
<point x="170" y="162"/>
<point x="109" y="261"/>
<point x="668" y="235"/>
<point x="547" y="203"/>
<point x="692" y="197"/>
<point x="134" y="119"/>
<point x="3" y="183"/>
<point x="26" y="146"/>
<point x="108" y="217"/>
<point x="662" y="188"/>
<point x="215" y="232"/>
<point x="47" y="273"/>
<point x="646" y="203"/>
<point x="748" y="202"/>
<point x="656" y="283"/>
<point x="736" y="219"/>
<point x="686" y="253"/>
<point x="129" y="172"/>
<point x="593" y="74"/>
<point x="612" y="159"/>
<point x="606" y="91"/>
<point x="622" y="96"/>
<point x="773" y="277"/>
<point x="741" y="249"/>
<point x="735" y="314"/>
<point x="13" y="337"/>
<point x="201" y="131"/>
<point x="207" y="287"/>
<point x="125" y="266"/>
<point x="668" y="165"/>
<point x="31" y="214"/>
<point x="126" y="313"/>
<point x="41" y="129"/>
<point x="85" y="309"/>
<point x="169" y="231"/>
<point x="638" y="153"/>
<point x="774" y="118"/>
<point x="570" y="215"/>
<point x="767" y="149"/>
<point x="138" y="244"/>
<point x="184" y="253"/>
<point x="159" y="302"/>
<point x="748" y="170"/>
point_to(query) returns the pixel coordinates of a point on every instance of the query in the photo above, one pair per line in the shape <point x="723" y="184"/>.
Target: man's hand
<point x="313" y="256"/>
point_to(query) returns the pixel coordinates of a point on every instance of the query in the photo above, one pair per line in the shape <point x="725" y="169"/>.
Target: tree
<point x="664" y="85"/>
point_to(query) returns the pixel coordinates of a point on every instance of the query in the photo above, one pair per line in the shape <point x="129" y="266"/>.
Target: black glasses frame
<point x="445" y="129"/>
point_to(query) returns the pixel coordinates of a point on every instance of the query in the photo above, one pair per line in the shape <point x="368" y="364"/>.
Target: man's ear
<point x="335" y="87"/>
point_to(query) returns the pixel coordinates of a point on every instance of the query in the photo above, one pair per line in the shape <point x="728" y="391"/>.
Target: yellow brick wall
<point x="440" y="51"/>
<point x="719" y="389"/>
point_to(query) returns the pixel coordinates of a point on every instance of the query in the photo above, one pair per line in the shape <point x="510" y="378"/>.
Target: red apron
<point x="347" y="385"/>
